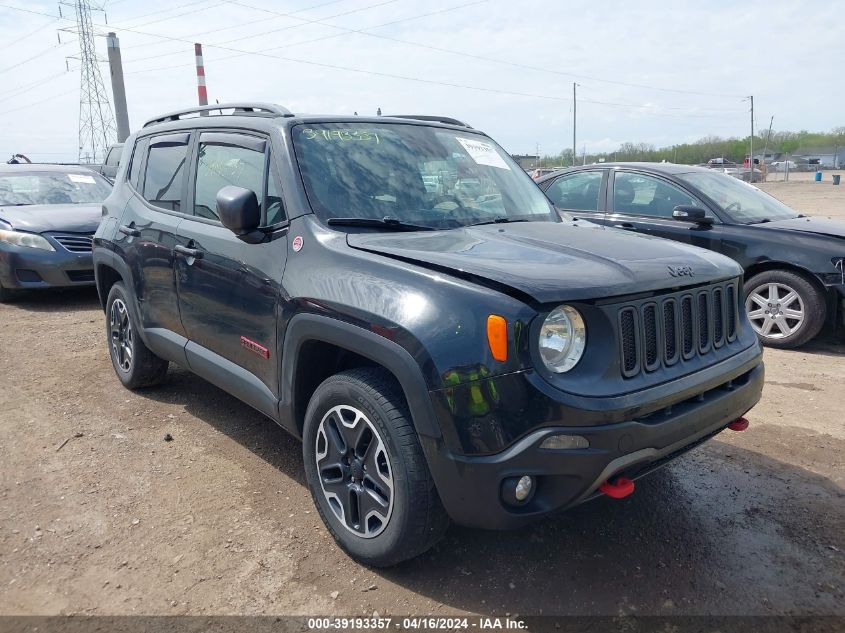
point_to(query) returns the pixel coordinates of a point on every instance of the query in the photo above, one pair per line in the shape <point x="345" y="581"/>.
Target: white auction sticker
<point x="483" y="153"/>
<point x="88" y="180"/>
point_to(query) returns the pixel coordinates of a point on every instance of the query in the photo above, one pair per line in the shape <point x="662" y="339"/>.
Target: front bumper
<point x="23" y="267"/>
<point x="470" y="487"/>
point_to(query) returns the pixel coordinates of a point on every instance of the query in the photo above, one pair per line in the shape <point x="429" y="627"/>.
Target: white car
<point x="781" y="165"/>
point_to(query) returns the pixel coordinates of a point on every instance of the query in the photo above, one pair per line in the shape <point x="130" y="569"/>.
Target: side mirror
<point x="239" y="212"/>
<point x="687" y="213"/>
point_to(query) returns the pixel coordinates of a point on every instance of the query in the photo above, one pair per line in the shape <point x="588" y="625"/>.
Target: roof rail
<point x="436" y="119"/>
<point x="248" y="109"/>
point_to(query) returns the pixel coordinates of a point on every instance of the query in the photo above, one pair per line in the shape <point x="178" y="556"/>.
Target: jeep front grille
<point x="661" y="331"/>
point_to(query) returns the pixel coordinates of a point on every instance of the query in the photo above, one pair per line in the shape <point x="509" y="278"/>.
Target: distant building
<point x="831" y="157"/>
<point x="526" y="161"/>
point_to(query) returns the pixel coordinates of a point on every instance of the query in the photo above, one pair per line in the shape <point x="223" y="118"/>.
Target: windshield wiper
<point x="502" y="219"/>
<point x="762" y="221"/>
<point x="385" y="222"/>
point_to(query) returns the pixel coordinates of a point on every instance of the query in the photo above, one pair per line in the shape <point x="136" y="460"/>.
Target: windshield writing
<point x="413" y="174"/>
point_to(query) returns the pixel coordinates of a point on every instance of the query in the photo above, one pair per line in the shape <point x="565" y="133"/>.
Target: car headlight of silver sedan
<point x="29" y="240"/>
<point x="563" y="338"/>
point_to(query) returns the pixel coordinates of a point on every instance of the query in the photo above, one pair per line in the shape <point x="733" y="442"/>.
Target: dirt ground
<point x="100" y="515"/>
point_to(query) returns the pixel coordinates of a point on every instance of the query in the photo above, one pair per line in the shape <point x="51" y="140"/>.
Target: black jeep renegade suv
<point x="398" y="293"/>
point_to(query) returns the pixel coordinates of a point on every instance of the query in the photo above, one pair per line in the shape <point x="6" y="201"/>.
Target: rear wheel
<point x="366" y="470"/>
<point x="784" y="308"/>
<point x="133" y="362"/>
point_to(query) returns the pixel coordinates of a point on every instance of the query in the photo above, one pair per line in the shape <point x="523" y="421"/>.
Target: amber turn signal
<point x="497" y="336"/>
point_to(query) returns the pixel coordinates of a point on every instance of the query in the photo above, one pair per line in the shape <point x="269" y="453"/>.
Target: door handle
<point x="131" y="231"/>
<point x="187" y="252"/>
<point x="624" y="225"/>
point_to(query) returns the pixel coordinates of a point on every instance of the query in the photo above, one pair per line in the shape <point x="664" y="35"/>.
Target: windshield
<point x="741" y="202"/>
<point x="413" y="174"/>
<point x="52" y="188"/>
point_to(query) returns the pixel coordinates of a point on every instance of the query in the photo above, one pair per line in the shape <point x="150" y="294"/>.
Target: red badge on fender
<point x="297" y="243"/>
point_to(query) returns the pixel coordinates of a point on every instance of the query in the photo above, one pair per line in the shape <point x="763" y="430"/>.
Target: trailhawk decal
<point x="252" y="346"/>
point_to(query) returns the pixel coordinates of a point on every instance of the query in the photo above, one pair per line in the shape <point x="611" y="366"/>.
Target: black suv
<point x="444" y="351"/>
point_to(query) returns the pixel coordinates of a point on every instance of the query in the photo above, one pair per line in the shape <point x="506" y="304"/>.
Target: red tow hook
<point x="618" y="489"/>
<point x="740" y="424"/>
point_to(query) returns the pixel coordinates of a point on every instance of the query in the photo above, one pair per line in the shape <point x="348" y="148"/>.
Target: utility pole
<point x="117" y="88"/>
<point x="768" y="137"/>
<point x="574" y="121"/>
<point x="96" y="122"/>
<point x="751" y="156"/>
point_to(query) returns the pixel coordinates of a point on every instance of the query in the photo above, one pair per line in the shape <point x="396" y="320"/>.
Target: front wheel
<point x="366" y="470"/>
<point x="784" y="308"/>
<point x="6" y="295"/>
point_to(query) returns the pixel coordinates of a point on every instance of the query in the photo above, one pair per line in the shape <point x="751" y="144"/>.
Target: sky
<point x="655" y="72"/>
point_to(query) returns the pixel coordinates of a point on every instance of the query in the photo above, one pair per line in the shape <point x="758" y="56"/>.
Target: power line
<point x="235" y="26"/>
<point x="489" y="59"/>
<point x="413" y="17"/>
<point x="23" y="37"/>
<point x="306" y="21"/>
<point x="36" y="56"/>
<point x="367" y="32"/>
<point x="16" y="92"/>
<point x="40" y="101"/>
<point x="284" y="28"/>
<point x="160" y="11"/>
<point x="178" y="15"/>
<point x="240" y="52"/>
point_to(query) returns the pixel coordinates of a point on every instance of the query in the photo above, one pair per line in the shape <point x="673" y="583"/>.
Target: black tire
<point x="416" y="519"/>
<point x="6" y="295"/>
<point x="810" y="301"/>
<point x="140" y="368"/>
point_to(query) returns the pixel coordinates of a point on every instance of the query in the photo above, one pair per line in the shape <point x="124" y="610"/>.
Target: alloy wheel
<point x="354" y="469"/>
<point x="120" y="329"/>
<point x="775" y="310"/>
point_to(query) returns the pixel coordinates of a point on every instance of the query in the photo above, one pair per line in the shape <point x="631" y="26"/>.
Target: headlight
<point x="30" y="240"/>
<point x="562" y="339"/>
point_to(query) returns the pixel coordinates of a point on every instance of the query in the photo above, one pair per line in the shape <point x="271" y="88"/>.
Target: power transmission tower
<point x="96" y="122"/>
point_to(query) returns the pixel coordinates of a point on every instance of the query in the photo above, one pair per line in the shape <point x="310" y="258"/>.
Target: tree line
<point x="735" y="149"/>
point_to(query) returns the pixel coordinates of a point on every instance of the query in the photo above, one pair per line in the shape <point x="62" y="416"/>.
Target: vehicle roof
<point x="44" y="167"/>
<point x="659" y="168"/>
<point x="265" y="123"/>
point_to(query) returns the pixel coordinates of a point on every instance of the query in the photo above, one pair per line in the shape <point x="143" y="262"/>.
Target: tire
<point x="797" y="321"/>
<point x="6" y="295"/>
<point x="133" y="362"/>
<point x="403" y="515"/>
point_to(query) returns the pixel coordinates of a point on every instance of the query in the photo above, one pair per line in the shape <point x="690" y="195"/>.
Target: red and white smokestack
<point x="202" y="91"/>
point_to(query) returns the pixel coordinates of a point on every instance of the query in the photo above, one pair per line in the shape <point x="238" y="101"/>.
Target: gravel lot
<point x="99" y="515"/>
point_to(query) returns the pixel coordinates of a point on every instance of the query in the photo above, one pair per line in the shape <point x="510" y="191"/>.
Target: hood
<point x="555" y="261"/>
<point x="820" y="226"/>
<point x="40" y="218"/>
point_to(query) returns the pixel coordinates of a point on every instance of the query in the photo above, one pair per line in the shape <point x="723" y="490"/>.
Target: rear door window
<point x="165" y="173"/>
<point x="578" y="192"/>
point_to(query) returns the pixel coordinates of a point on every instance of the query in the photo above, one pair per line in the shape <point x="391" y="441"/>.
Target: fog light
<point x="519" y="490"/>
<point x="523" y="488"/>
<point x="565" y="442"/>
